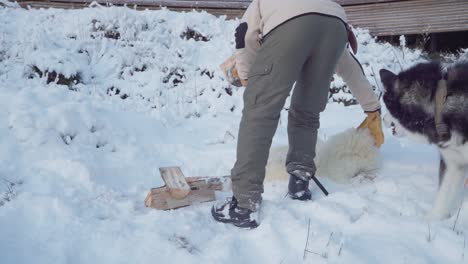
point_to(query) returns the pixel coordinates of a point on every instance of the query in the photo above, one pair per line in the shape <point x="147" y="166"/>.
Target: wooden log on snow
<point x="161" y="198"/>
<point x="175" y="182"/>
<point x="180" y="191"/>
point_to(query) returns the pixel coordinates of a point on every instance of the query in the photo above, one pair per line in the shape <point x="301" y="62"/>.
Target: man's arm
<point x="248" y="39"/>
<point x="352" y="73"/>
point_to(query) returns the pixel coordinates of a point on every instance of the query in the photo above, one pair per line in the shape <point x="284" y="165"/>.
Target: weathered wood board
<point x="181" y="191"/>
<point x="175" y="182"/>
<point x="161" y="198"/>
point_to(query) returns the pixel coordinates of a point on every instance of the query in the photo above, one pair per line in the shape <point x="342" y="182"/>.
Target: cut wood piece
<point x="161" y="198"/>
<point x="228" y="64"/>
<point x="222" y="183"/>
<point x="199" y="194"/>
<point x="175" y="182"/>
<point x="230" y="71"/>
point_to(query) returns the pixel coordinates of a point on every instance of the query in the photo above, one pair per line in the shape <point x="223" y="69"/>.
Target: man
<point x="280" y="43"/>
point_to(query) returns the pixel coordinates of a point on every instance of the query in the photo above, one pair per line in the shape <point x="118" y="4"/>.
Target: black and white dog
<point x="430" y="102"/>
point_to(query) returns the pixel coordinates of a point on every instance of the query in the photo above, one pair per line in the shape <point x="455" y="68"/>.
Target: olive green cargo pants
<point x="304" y="50"/>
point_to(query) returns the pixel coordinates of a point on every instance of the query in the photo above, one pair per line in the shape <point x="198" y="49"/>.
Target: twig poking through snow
<point x="307" y="241"/>
<point x="403" y="45"/>
<point x="429" y="239"/>
<point x="398" y="59"/>
<point x="341" y="248"/>
<point x="456" y="219"/>
<point x="184" y="243"/>
<point x="329" y="240"/>
<point x="324" y="253"/>
<point x="464" y="246"/>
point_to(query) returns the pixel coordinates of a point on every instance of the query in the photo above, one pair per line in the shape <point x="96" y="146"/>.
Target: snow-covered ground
<point x="77" y="160"/>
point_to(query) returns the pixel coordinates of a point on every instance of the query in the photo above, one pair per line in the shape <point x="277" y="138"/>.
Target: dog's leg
<point x="450" y="188"/>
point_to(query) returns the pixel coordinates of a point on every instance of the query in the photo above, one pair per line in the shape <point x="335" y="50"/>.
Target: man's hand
<point x="373" y="122"/>
<point x="230" y="71"/>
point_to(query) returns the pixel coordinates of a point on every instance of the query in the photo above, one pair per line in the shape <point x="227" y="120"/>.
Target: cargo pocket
<point x="259" y="70"/>
<point x="259" y="79"/>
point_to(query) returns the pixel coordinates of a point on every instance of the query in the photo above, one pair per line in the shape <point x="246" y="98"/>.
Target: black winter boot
<point x="229" y="213"/>
<point x="298" y="188"/>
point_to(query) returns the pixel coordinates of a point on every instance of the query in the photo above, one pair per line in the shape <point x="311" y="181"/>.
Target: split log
<point x="175" y="182"/>
<point x="180" y="191"/>
<point x="161" y="198"/>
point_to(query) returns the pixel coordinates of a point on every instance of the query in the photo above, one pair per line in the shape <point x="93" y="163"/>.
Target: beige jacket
<point x="262" y="16"/>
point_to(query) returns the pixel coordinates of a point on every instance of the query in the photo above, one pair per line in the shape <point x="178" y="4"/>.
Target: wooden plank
<point x="361" y="2"/>
<point x="200" y="191"/>
<point x="175" y="182"/>
<point x="411" y="17"/>
<point x="199" y="194"/>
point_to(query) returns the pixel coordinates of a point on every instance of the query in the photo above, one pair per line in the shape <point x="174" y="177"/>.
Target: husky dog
<point x="431" y="103"/>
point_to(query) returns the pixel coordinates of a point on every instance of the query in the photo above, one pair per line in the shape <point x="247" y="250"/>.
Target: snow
<point x="77" y="161"/>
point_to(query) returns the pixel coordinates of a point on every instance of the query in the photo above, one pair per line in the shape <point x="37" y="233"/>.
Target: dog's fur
<point x="341" y="158"/>
<point x="410" y="101"/>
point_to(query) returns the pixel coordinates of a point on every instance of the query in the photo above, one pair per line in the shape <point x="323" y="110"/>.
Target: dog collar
<point x="440" y="99"/>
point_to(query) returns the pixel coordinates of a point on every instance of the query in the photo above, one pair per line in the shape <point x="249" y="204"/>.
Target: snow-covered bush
<point x="162" y="60"/>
